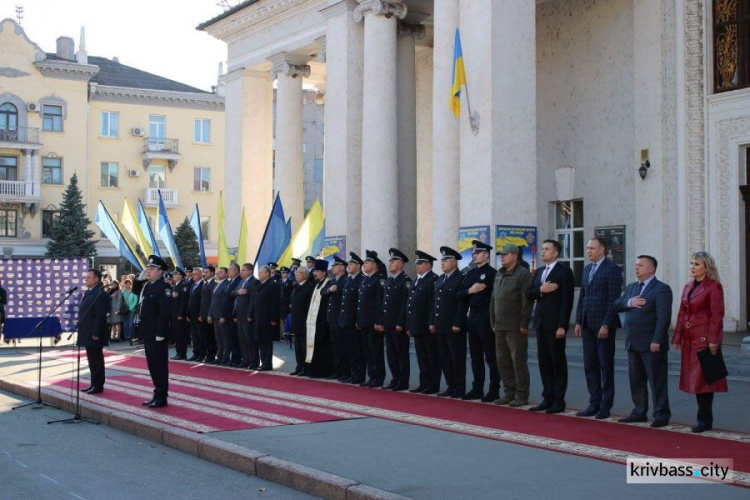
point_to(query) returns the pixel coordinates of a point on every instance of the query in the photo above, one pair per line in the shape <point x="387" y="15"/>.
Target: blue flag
<point x="195" y="223"/>
<point x="275" y="238"/>
<point x="165" y="233"/>
<point x="146" y="228"/>
<point x="108" y="226"/>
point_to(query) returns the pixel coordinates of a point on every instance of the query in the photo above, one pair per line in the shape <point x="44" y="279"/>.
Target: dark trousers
<point x="209" y="340"/>
<point x="553" y="366"/>
<point x="397" y="350"/>
<point x="95" y="356"/>
<point x="181" y="336"/>
<point x="428" y="359"/>
<point x="244" y="332"/>
<point x="265" y="350"/>
<point x="599" y="366"/>
<point x="233" y="343"/>
<point x="482" y="350"/>
<point x="338" y="350"/>
<point x="157" y="359"/>
<point x="376" y="361"/>
<point x="355" y="342"/>
<point x="221" y="333"/>
<point x="199" y="350"/>
<point x="705" y="410"/>
<point x="300" y="349"/>
<point x="452" y="347"/>
<point x="644" y="369"/>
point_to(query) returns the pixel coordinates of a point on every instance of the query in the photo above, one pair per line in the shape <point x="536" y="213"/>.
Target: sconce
<point x="643" y="169"/>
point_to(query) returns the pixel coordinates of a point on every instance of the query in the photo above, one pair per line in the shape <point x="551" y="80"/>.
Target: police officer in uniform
<point x="476" y="291"/>
<point x="334" y="290"/>
<point x="154" y="310"/>
<point x="368" y="318"/>
<point x="353" y="338"/>
<point x="418" y="309"/>
<point x="393" y="320"/>
<point x="276" y="277"/>
<point x="180" y="296"/>
<point x="285" y="292"/>
<point x="448" y="322"/>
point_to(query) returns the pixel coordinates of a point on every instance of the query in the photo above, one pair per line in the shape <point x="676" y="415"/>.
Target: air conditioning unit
<point x="133" y="173"/>
<point x="33" y="107"/>
<point x="138" y="131"/>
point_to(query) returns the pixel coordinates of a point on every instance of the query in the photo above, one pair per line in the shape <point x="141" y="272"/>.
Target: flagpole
<point x="473" y="119"/>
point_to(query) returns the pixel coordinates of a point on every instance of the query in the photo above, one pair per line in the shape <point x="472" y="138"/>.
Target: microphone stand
<point x="76" y="418"/>
<point x="39" y="403"/>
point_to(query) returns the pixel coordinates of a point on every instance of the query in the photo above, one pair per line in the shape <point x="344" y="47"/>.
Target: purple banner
<point x="35" y="286"/>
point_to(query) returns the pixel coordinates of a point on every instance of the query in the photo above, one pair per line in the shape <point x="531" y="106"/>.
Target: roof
<point x="116" y="74"/>
<point x="226" y="14"/>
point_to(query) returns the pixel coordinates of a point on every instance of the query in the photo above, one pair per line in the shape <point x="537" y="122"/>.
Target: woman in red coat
<point x="699" y="327"/>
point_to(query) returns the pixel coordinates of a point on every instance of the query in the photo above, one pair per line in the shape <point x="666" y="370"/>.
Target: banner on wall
<point x="334" y="245"/>
<point x="522" y="236"/>
<point x="466" y="235"/>
<point x="615" y="238"/>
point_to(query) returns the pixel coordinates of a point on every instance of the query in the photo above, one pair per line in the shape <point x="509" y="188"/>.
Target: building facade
<point x="587" y="115"/>
<point x="126" y="133"/>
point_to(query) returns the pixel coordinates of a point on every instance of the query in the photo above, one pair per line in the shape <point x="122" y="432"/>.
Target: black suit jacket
<point x="596" y="300"/>
<point x="195" y="297"/>
<point x="265" y="310"/>
<point x="227" y="308"/>
<point x="243" y="303"/>
<point x="419" y="305"/>
<point x="333" y="313"/>
<point x="206" y="297"/>
<point x="552" y="310"/>
<point x="92" y="320"/>
<point x="648" y="324"/>
<point x="216" y="311"/>
<point x="301" y="297"/>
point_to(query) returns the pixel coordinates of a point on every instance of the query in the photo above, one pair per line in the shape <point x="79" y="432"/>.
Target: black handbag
<point x="713" y="365"/>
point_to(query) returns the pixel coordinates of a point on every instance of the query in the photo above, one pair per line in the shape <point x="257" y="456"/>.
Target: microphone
<point x="72" y="290"/>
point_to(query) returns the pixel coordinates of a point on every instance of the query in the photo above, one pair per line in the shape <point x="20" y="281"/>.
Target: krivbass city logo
<point x="679" y="470"/>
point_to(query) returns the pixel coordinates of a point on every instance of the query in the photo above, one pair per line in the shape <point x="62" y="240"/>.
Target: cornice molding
<point x="66" y="70"/>
<point x="211" y="102"/>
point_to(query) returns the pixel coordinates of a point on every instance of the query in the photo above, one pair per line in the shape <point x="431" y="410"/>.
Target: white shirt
<point x="547" y="270"/>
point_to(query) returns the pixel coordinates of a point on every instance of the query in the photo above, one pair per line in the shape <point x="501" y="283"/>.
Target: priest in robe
<point x="319" y="357"/>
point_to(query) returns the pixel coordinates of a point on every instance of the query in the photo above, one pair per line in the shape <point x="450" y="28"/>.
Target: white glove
<point x="159" y="339"/>
<point x="144" y="275"/>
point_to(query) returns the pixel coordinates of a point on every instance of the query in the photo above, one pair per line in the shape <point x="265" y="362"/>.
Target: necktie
<point x="592" y="272"/>
<point x="640" y="289"/>
<point x="545" y="273"/>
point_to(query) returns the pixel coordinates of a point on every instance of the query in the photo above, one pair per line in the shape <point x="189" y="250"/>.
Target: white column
<point x="380" y="203"/>
<point x="36" y="174"/>
<point x="424" y="149"/>
<point x="408" y="31"/>
<point x="289" y="71"/>
<point x="249" y="154"/>
<point x="445" y="137"/>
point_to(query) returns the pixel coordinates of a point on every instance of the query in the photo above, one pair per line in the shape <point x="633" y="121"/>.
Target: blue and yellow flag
<point x="459" y="76"/>
<point x="112" y="231"/>
<point x="195" y="223"/>
<point x="276" y="237"/>
<point x="309" y="238"/>
<point x="165" y="233"/>
<point x="145" y="226"/>
<point x="130" y="223"/>
<point x="224" y="258"/>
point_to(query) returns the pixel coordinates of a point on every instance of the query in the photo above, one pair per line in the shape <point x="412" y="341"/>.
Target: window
<point x="569" y="232"/>
<point x="109" y="126"/>
<point x="51" y="170"/>
<point x="203" y="131"/>
<point x="8" y="117"/>
<point x="8" y="168"/>
<point x="202" y="179"/>
<point x="8" y="220"/>
<point x="49" y="217"/>
<point x="157" y="176"/>
<point x="204" y="227"/>
<point x="731" y="23"/>
<point x="52" y="118"/>
<point x="110" y="174"/>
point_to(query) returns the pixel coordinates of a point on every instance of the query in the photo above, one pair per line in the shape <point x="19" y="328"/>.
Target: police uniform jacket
<point x="349" y="298"/>
<point x="333" y="312"/>
<point x="154" y="310"/>
<point x="265" y="310"/>
<point x="285" y="294"/>
<point x="180" y="296"/>
<point x="369" y="301"/>
<point x="478" y="303"/>
<point x="447" y="309"/>
<point x="195" y="295"/>
<point x="92" y="320"/>
<point x="395" y="294"/>
<point x="419" y="305"/>
<point x="207" y="294"/>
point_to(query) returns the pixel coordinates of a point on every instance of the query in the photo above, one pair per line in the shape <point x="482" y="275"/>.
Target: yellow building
<point x="125" y="132"/>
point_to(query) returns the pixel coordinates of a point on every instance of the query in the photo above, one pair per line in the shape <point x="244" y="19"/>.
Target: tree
<point x="70" y="233"/>
<point x="187" y="244"/>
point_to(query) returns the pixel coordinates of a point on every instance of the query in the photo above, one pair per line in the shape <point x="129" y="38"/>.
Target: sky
<point x="157" y="36"/>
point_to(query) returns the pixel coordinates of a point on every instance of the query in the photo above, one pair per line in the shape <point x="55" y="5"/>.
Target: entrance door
<point x="745" y="190"/>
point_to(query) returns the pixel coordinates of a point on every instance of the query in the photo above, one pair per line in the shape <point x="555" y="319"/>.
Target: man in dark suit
<point x="193" y="313"/>
<point x="334" y="290"/>
<point x="243" y="303"/>
<point x="217" y="318"/>
<point x="393" y="320"/>
<point x="180" y="332"/>
<point x="353" y="338"/>
<point x="207" y="328"/>
<point x="597" y="322"/>
<point x="301" y="296"/>
<point x="265" y="317"/>
<point x="93" y="330"/>
<point x="448" y="322"/>
<point x="233" y="344"/>
<point x="418" y="308"/>
<point x="552" y="290"/>
<point x="368" y="318"/>
<point x="647" y="308"/>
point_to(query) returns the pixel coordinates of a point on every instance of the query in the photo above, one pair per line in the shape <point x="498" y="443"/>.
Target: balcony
<point x="20" y="191"/>
<point x="170" y="197"/>
<point x="159" y="148"/>
<point x="20" y="138"/>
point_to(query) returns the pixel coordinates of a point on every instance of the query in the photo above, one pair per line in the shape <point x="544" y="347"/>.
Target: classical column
<point x="380" y="202"/>
<point x="289" y="71"/>
<point x="248" y="177"/>
<point x="445" y="143"/>
<point x="408" y="31"/>
<point x="342" y="178"/>
<point x="36" y="173"/>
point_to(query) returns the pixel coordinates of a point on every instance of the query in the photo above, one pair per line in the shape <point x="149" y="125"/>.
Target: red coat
<point x="699" y="323"/>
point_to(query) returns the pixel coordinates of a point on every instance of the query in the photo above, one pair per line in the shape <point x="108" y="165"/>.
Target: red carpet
<point x="242" y="400"/>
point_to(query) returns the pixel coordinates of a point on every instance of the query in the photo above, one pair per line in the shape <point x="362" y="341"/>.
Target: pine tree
<point x="70" y="233"/>
<point x="187" y="244"/>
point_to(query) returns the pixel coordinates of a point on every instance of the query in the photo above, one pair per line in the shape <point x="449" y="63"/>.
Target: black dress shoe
<point x="87" y="389"/>
<point x="418" y="389"/>
<point x="602" y="414"/>
<point x="400" y="387"/>
<point x="375" y="385"/>
<point x="702" y="427"/>
<point x="556" y="408"/>
<point x="158" y="403"/>
<point x="473" y="395"/>
<point x="253" y="367"/>
<point x="633" y="418"/>
<point x="149" y="402"/>
<point x="345" y="380"/>
<point x="265" y="369"/>
<point x="390" y="386"/>
<point x="457" y="394"/>
<point x="96" y="390"/>
<point x="180" y="357"/>
<point x="490" y="396"/>
<point x="541" y="407"/>
<point x="367" y="383"/>
<point x="446" y="393"/>
<point x="588" y="412"/>
<point x="659" y="423"/>
<point x="193" y="358"/>
<point x="430" y="390"/>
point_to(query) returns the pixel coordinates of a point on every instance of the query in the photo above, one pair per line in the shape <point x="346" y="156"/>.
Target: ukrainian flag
<point x="459" y="76"/>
